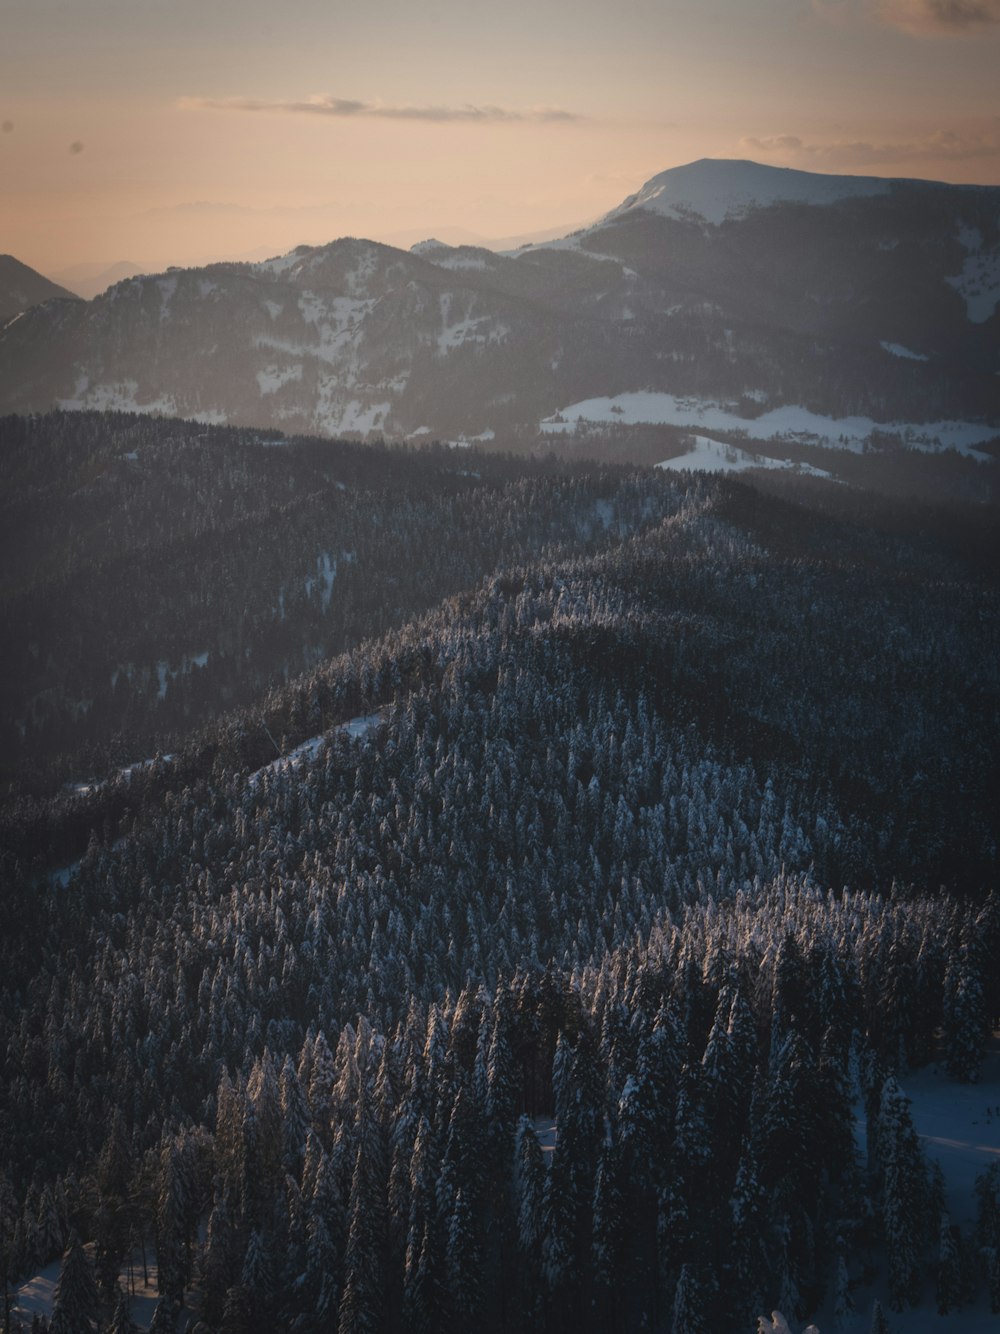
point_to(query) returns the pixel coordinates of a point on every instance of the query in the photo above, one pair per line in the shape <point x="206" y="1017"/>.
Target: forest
<point x="448" y="891"/>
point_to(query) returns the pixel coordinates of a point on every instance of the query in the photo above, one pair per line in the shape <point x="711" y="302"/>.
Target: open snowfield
<point x="715" y="456"/>
<point x="789" y="422"/>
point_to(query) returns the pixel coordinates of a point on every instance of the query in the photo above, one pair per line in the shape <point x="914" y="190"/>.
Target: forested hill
<point x="562" y="831"/>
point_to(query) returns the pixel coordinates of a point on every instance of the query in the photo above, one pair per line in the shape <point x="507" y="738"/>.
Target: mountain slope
<point x="724" y="283"/>
<point x="22" y="287"/>
<point x="715" y="189"/>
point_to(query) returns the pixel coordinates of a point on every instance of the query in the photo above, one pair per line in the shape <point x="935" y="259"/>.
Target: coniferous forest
<point x="446" y="891"/>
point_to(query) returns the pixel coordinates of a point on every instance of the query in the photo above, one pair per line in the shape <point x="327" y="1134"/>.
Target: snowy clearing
<point x="714" y="456"/>
<point x="274" y="378"/>
<point x="959" y="1127"/>
<point x="37" y="1295"/>
<point x="979" y="284"/>
<point x="652" y="407"/>
<point x="898" y="350"/>
<point x="308" y="750"/>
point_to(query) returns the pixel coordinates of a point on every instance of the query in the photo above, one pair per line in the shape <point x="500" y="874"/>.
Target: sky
<point x="181" y="131"/>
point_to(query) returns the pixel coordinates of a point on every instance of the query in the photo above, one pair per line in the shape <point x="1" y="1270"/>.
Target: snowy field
<point x="647" y="407"/>
<point x="715" y="456"/>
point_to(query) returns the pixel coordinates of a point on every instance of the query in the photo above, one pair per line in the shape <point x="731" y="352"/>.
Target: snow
<point x="354" y="416"/>
<point x="713" y="190"/>
<point x="714" y="456"/>
<point x="309" y="750"/>
<point x="460" y="262"/>
<point x="898" y="350"/>
<point x="959" y="1125"/>
<point x="787" y="422"/>
<point x="545" y="1128"/>
<point x="605" y="512"/>
<point x="273" y="378"/>
<point x="959" y="1128"/>
<point x="969" y="238"/>
<point x="454" y="334"/>
<point x="979" y="284"/>
<point x="279" y="265"/>
<point x="118" y="397"/>
<point x="273" y="308"/>
<point x="326" y="566"/>
<point x="37" y="1295"/>
<point x="429" y="247"/>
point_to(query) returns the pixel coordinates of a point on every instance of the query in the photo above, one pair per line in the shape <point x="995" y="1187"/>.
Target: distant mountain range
<point x="751" y="298"/>
<point x="22" y="287"/>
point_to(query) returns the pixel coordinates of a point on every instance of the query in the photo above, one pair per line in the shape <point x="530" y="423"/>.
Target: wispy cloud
<point x="943" y="145"/>
<point x="935" y="18"/>
<point x="198" y="208"/>
<point x="921" y="18"/>
<point x="347" y="108"/>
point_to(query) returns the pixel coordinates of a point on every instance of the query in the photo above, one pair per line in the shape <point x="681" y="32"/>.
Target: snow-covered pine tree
<point x="77" y="1304"/>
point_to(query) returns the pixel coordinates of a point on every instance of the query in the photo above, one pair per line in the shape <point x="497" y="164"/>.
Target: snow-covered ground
<point x="714" y="189"/>
<point x="789" y="422"/>
<point x="715" y="456"/>
<point x="308" y="750"/>
<point x="898" y="350"/>
<point x="36" y="1296"/>
<point x="978" y="284"/>
<point x="959" y="1127"/>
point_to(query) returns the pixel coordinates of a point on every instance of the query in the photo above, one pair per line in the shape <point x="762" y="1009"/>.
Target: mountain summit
<point x="715" y="189"/>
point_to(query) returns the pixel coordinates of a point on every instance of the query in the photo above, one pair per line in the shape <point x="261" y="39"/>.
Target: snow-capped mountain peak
<point x="714" y="189"/>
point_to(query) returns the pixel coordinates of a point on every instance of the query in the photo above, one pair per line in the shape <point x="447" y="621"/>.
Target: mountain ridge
<point x="775" y="305"/>
<point x="22" y="287"/>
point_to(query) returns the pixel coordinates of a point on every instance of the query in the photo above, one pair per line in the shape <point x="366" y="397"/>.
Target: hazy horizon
<point x="137" y="130"/>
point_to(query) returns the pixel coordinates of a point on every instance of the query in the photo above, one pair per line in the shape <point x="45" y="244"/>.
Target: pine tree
<point x="880" y="1322"/>
<point x="77" y="1304"/>
<point x="905" y="1193"/>
<point x="121" y="1319"/>
<point x="364" y="1282"/>
<point x="689" y="1316"/>
<point x="949" y="1289"/>
<point x="843" y="1302"/>
<point x="966" y="1018"/>
<point x="463" y="1267"/>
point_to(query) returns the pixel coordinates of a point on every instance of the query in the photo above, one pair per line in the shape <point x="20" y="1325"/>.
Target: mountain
<point x="91" y="279"/>
<point x="22" y="287"/>
<point x="717" y="189"/>
<point x="788" y="307"/>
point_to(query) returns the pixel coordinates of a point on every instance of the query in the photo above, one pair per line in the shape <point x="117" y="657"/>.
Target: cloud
<point x="943" y="145"/>
<point x="198" y="208"/>
<point x="76" y="146"/>
<point x="8" y="125"/>
<point x="920" y="18"/>
<point x="934" y="18"/>
<point x="346" y="108"/>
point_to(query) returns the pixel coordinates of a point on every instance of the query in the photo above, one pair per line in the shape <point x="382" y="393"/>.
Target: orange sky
<point x="170" y="131"/>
